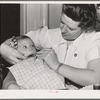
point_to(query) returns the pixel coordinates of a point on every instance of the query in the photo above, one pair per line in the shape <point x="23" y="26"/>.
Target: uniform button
<point x="75" y="55"/>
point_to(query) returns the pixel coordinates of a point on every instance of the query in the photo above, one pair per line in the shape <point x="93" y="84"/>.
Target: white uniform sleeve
<point x="94" y="51"/>
<point x="39" y="37"/>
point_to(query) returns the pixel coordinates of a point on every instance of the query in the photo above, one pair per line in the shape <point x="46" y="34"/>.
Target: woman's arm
<point x="10" y="82"/>
<point x="10" y="54"/>
<point x="83" y="77"/>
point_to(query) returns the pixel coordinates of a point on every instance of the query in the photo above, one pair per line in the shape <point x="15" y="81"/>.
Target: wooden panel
<point x="54" y="15"/>
<point x="9" y="26"/>
<point x="33" y="17"/>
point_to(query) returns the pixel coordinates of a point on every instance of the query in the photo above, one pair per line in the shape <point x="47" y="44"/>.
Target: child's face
<point x="26" y="47"/>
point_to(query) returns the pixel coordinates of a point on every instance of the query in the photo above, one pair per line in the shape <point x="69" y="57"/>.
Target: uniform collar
<point x="76" y="42"/>
<point x="62" y="41"/>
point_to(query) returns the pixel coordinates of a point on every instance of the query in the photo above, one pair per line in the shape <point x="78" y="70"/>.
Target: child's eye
<point x="32" y="45"/>
<point x="24" y="47"/>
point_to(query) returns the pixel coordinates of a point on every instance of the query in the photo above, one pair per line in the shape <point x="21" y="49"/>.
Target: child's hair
<point x="14" y="40"/>
<point x="21" y="37"/>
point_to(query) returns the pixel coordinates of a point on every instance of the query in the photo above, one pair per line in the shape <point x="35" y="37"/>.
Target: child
<point x="24" y="45"/>
<point x="33" y="73"/>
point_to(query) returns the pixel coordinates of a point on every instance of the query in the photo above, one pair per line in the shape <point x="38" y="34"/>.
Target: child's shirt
<point x="35" y="74"/>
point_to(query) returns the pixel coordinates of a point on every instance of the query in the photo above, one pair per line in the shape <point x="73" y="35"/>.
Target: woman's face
<point x="69" y="28"/>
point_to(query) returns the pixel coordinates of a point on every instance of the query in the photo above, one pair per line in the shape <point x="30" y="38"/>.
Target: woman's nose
<point x="63" y="28"/>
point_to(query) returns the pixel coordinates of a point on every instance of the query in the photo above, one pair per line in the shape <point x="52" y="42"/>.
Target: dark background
<point x="9" y="26"/>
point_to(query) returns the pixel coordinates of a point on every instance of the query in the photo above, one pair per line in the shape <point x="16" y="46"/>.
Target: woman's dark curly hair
<point x="83" y="13"/>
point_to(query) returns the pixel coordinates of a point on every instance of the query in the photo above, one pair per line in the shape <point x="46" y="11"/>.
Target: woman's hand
<point x="10" y="54"/>
<point x="50" y="57"/>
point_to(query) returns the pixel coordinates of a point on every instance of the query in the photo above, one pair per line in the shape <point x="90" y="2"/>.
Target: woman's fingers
<point x="12" y="60"/>
<point x="13" y="42"/>
<point x="18" y="55"/>
<point x="50" y="57"/>
<point x="43" y="53"/>
<point x="15" y="60"/>
<point x="10" y="54"/>
<point x="15" y="57"/>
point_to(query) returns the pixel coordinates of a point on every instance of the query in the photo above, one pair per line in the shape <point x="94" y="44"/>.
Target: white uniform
<point x="84" y="49"/>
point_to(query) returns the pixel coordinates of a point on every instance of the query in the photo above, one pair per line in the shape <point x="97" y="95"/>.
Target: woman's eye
<point x="61" y="22"/>
<point x="70" y="29"/>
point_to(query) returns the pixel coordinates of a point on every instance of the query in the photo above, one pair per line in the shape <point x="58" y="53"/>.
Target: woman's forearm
<point x="7" y="41"/>
<point x="8" y="80"/>
<point x="80" y="76"/>
<point x="4" y="43"/>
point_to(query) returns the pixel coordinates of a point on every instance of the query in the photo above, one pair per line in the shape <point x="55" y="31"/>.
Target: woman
<point x="75" y="54"/>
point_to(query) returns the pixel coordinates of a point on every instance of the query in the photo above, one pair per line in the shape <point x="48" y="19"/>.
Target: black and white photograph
<point x="50" y="48"/>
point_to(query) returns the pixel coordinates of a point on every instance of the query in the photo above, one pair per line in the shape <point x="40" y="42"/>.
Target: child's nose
<point x="30" y="49"/>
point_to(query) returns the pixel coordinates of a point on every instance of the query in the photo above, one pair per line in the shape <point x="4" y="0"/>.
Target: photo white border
<point x="49" y="94"/>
